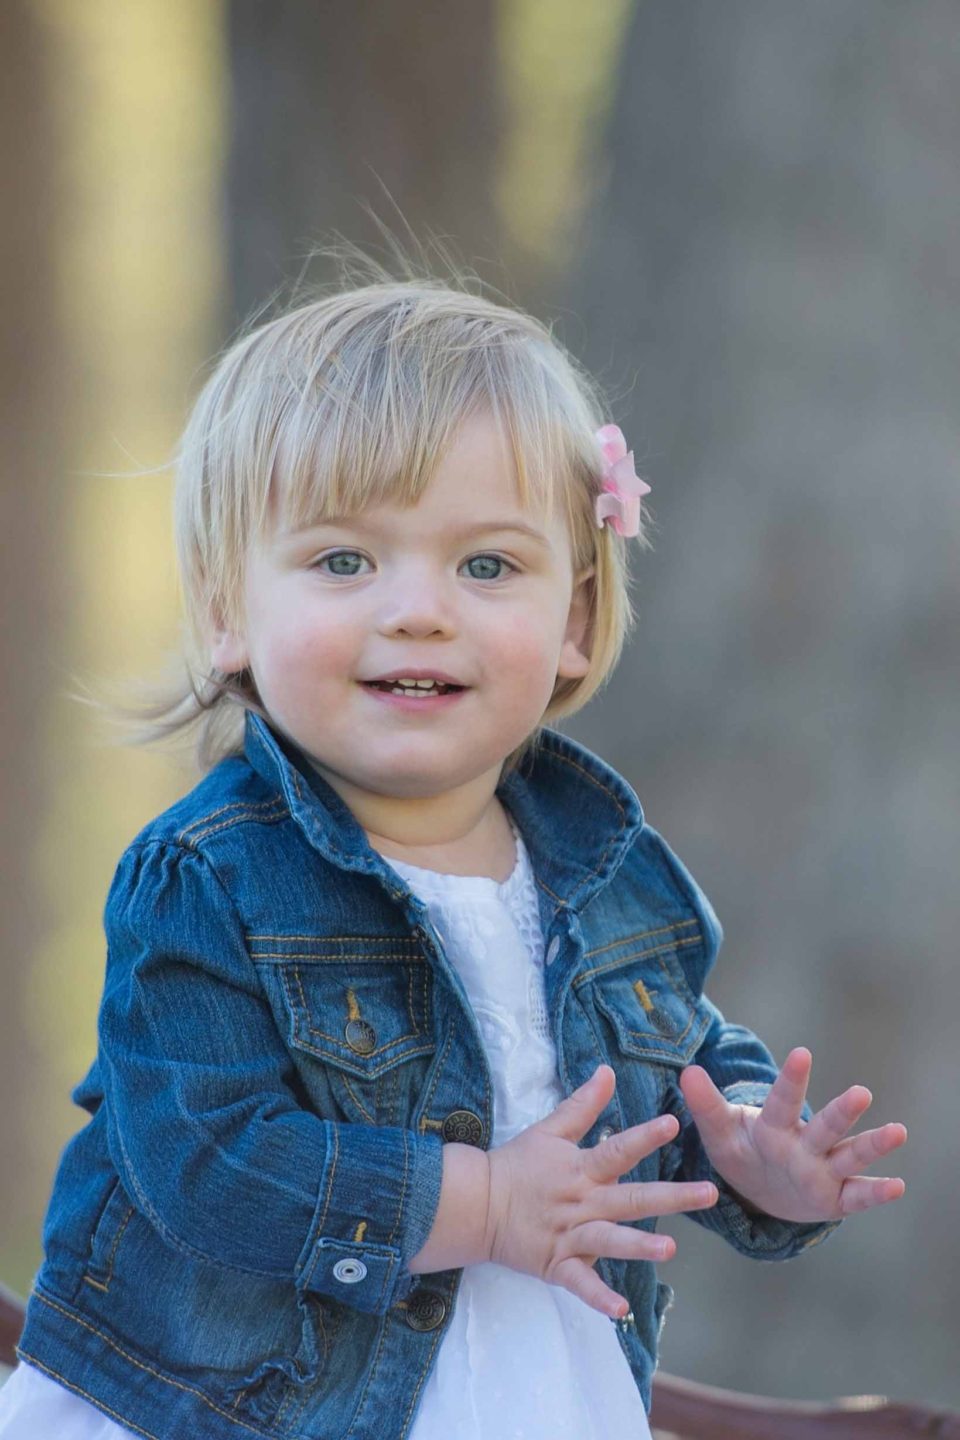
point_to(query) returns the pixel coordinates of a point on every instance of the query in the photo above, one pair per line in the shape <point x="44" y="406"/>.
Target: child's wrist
<point x="472" y="1169"/>
<point x="459" y="1235"/>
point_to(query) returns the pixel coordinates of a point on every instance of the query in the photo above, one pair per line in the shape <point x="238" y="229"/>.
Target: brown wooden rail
<point x="688" y="1411"/>
<point x="11" y="1324"/>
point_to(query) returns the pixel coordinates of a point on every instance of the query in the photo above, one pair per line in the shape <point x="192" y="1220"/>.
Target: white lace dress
<point x="522" y="1360"/>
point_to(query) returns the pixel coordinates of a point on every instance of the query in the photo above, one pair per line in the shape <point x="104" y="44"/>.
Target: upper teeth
<point x="419" y="684"/>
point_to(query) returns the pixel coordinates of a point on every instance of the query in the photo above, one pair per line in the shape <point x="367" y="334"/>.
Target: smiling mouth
<point x="423" y="690"/>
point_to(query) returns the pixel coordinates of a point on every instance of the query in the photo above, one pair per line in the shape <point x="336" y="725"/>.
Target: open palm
<point x="788" y="1167"/>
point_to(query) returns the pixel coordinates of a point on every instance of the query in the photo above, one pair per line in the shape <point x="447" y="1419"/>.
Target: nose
<point x="418" y="602"/>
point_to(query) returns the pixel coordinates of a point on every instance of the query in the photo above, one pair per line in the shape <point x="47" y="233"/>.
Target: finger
<point x="657" y="1197"/>
<point x="831" y="1123"/>
<point x="863" y="1192"/>
<point x="579" y="1112"/>
<point x="619" y="1242"/>
<point x="712" y="1112"/>
<point x="860" y="1150"/>
<point x="784" y="1103"/>
<point x="613" y="1157"/>
<point x="582" y="1280"/>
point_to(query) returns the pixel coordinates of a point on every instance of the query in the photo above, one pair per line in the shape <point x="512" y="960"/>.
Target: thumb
<point x="574" y="1116"/>
<point x="710" y="1110"/>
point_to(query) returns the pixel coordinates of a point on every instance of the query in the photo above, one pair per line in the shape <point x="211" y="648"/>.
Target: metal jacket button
<point x="464" y="1127"/>
<point x="348" y="1272"/>
<point x="606" y="1132"/>
<point x="426" y="1310"/>
<point x="663" y="1022"/>
<point x="360" y="1036"/>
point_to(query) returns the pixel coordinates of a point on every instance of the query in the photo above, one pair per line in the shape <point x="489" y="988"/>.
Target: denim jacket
<point x="284" y="1048"/>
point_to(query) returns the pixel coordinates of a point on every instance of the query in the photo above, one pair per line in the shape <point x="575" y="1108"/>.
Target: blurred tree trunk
<point x="771" y="285"/>
<point x="30" y="581"/>
<point x="331" y="100"/>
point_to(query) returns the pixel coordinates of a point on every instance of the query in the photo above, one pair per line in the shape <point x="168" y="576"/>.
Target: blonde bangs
<point x="366" y="413"/>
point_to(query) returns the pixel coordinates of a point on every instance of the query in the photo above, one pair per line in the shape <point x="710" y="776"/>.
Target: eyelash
<point x="481" y="555"/>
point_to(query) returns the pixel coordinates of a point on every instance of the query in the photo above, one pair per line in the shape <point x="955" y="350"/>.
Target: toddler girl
<point x="403" y="1045"/>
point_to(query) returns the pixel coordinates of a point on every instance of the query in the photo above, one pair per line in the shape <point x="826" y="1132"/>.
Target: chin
<point x="421" y="777"/>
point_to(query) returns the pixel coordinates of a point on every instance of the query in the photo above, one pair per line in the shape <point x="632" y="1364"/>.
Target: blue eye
<point x="346" y="564"/>
<point x="345" y="571"/>
<point x="485" y="562"/>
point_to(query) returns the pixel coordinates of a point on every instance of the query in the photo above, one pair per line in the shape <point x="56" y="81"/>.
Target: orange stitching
<point x="117" y="1238"/>
<point x="167" y="1379"/>
<point x="333" y="1165"/>
<point x="237" y="819"/>
<point x="426" y="1371"/>
<point x="643" y="995"/>
<point x="438" y="1070"/>
<point x="328" y="939"/>
<point x="249" y="805"/>
<point x="574" y="764"/>
<point x="403" y="1186"/>
<point x="338" y="1040"/>
<point x="638" y="955"/>
<point x="97" y="1284"/>
<point x="642" y="1037"/>
<point x="553" y="896"/>
<point x="77" y="1390"/>
<point x="614" y="839"/>
<point x="643" y="935"/>
<point x="332" y="959"/>
<point x="356" y="1100"/>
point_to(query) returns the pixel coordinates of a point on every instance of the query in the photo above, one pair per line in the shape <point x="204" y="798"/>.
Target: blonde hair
<point x="349" y="401"/>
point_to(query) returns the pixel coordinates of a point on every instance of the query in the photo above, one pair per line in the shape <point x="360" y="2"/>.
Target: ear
<point x="228" y="650"/>
<point x="574" y="659"/>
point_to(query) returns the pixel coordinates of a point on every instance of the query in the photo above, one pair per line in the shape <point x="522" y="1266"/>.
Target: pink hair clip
<point x="619" y="501"/>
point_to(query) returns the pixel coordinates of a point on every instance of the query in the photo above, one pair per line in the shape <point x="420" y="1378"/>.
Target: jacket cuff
<point x="754" y="1234"/>
<point x="378" y="1200"/>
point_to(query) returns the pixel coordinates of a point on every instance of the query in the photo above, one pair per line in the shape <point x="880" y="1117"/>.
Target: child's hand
<point x="554" y="1207"/>
<point x="784" y="1165"/>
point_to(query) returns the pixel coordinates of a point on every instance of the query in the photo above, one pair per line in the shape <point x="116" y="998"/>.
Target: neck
<point x="464" y="831"/>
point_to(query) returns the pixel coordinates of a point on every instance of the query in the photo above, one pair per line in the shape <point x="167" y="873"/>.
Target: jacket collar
<point x="578" y="817"/>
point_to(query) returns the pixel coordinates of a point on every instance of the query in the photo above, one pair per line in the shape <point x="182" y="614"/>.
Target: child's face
<point x="443" y="586"/>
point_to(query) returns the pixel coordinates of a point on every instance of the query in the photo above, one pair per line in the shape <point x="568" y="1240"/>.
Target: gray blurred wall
<point x="770" y="282"/>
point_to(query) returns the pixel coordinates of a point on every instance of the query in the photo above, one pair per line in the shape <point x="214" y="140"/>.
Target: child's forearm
<point x="459" y="1233"/>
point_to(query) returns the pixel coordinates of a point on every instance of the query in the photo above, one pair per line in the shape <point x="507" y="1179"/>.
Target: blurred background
<point x="746" y="218"/>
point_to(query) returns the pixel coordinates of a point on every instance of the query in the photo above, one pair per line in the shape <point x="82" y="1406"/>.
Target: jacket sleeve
<point x="204" y="1125"/>
<point x="743" y="1069"/>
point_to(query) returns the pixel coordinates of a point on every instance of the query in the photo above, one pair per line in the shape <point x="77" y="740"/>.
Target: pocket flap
<point x="652" y="1020"/>
<point x="361" y="1004"/>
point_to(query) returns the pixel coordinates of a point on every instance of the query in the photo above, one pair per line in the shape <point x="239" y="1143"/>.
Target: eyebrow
<point x="487" y="527"/>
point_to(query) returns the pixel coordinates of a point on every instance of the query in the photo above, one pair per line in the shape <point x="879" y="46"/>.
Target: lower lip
<point x="406" y="702"/>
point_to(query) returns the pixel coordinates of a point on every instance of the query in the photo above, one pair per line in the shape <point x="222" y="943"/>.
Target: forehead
<point x="474" y="485"/>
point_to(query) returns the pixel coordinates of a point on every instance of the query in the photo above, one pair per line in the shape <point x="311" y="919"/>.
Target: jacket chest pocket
<point x="356" y="1013"/>
<point x="649" y="1020"/>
